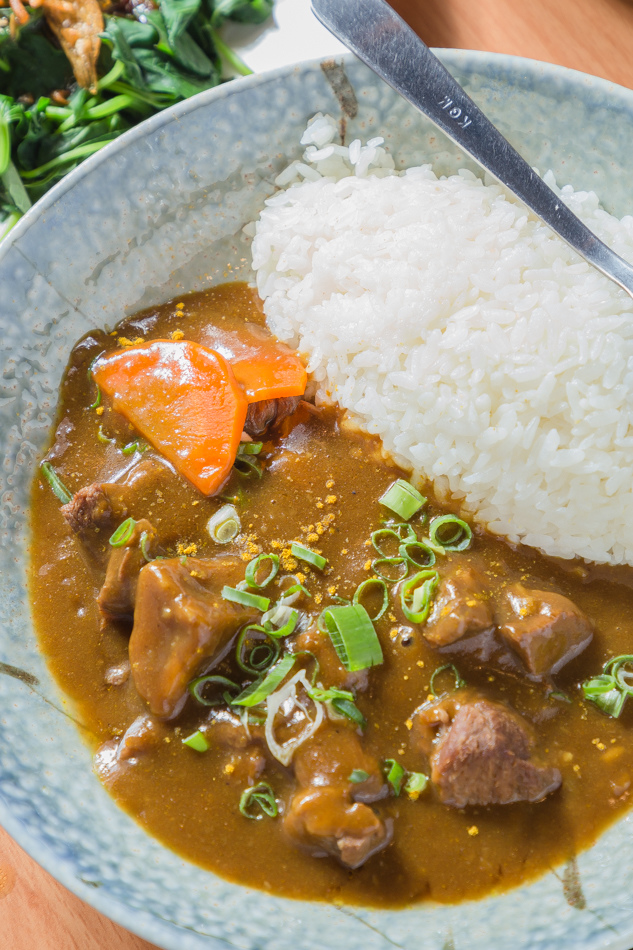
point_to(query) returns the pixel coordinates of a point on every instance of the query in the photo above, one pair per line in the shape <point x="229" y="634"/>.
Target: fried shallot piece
<point x="77" y="25"/>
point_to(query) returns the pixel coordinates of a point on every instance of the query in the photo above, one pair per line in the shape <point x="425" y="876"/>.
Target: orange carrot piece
<point x="274" y="372"/>
<point x="184" y="399"/>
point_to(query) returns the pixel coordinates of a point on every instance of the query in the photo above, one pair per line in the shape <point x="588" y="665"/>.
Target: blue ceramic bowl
<point x="158" y="212"/>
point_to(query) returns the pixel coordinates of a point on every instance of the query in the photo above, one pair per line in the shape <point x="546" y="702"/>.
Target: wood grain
<point x="595" y="36"/>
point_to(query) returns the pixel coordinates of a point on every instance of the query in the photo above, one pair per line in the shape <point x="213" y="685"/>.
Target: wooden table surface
<point x="595" y="36"/>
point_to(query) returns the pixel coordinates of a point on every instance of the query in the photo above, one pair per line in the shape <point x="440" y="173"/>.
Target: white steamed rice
<point x="486" y="355"/>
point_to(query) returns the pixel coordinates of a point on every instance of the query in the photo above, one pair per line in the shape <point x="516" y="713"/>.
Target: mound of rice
<point x="486" y="355"/>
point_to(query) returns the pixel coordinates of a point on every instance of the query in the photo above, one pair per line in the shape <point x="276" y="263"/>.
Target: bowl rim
<point x="157" y="930"/>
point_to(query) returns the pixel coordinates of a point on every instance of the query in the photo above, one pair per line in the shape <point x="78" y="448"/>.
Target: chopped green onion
<point x="358" y="775"/>
<point x="244" y="598"/>
<point x="394" y="773"/>
<point x="366" y="586"/>
<point x="103" y="437"/>
<point x="415" y="784"/>
<point x="224" y="525"/>
<point x="610" y="690"/>
<point x="196" y="741"/>
<point x="396" y="562"/>
<point x="264" y="650"/>
<point x="317" y="667"/>
<point x="280" y="621"/>
<point x="258" y="691"/>
<point x="144" y="547"/>
<point x="305" y="554"/>
<point x="212" y="690"/>
<point x="290" y="594"/>
<point x="403" y="499"/>
<point x="409" y="550"/>
<point x="559" y="695"/>
<point x="246" y="466"/>
<point x="394" y="534"/>
<point x="250" y="448"/>
<point x="57" y="485"/>
<point x="327" y="695"/>
<point x="459" y="682"/>
<point x="616" y="668"/>
<point x="420" y="589"/>
<point x="353" y="636"/>
<point x="350" y="710"/>
<point x="97" y="402"/>
<point x="254" y="566"/>
<point x="123" y="533"/>
<point x="450" y="533"/>
<point x="132" y="447"/>
<point x="261" y="798"/>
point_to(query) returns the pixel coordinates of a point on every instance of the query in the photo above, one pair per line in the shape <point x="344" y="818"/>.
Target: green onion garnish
<point x="365" y="587"/>
<point x="609" y="690"/>
<point x="213" y="690"/>
<point x="403" y="499"/>
<point x="104" y="438"/>
<point x="132" y="447"/>
<point x="196" y="741"/>
<point x="224" y="525"/>
<point x="246" y="466"/>
<point x="394" y="535"/>
<point x="394" y="773"/>
<point x="144" y="547"/>
<point x="256" y="650"/>
<point x="254" y="566"/>
<point x="459" y="682"/>
<point x="349" y="709"/>
<point x="258" y="691"/>
<point x="327" y="695"/>
<point x="123" y="533"/>
<point x="415" y="784"/>
<point x="416" y="595"/>
<point x="244" y="598"/>
<point x="292" y="593"/>
<point x="97" y="402"/>
<point x="353" y="636"/>
<point x="358" y="775"/>
<point x="450" y="533"/>
<point x="258" y="801"/>
<point x="280" y="621"/>
<point x="417" y="553"/>
<point x="559" y="695"/>
<point x="398" y="566"/>
<point x="250" y="448"/>
<point x="305" y="554"/>
<point x="57" y="485"/>
<point x="317" y="667"/>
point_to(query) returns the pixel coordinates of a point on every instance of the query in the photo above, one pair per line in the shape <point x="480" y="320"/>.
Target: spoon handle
<point x="382" y="40"/>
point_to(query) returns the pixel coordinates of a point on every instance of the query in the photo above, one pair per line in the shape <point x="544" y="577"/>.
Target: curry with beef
<point x="294" y="668"/>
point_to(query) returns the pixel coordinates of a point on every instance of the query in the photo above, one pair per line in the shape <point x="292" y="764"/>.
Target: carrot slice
<point x="184" y="399"/>
<point x="271" y="374"/>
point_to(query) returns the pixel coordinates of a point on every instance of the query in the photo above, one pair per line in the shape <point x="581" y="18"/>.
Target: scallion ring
<point x="616" y="668"/>
<point x="246" y="466"/>
<point x="394" y="773"/>
<point x="250" y="448"/>
<point x="392" y="536"/>
<point x="245" y="598"/>
<point x="102" y="437"/>
<point x="345" y="707"/>
<point x="97" y="402"/>
<point x="353" y="636"/>
<point x="363" y="590"/>
<point x="224" y="525"/>
<point x="357" y="776"/>
<point x="415" y="784"/>
<point x="403" y="499"/>
<point x="416" y="595"/>
<point x="280" y="621"/>
<point x="258" y="691"/>
<point x="213" y="690"/>
<point x="459" y="682"/>
<point x="293" y="591"/>
<point x="257" y="801"/>
<point x="256" y="650"/>
<point x="123" y="533"/>
<point x="133" y="447"/>
<point x="55" y="482"/>
<point x="450" y="533"/>
<point x="397" y="565"/>
<point x="254" y="566"/>
<point x="417" y="553"/>
<point x="197" y="742"/>
<point x="145" y="547"/>
<point x="310" y="557"/>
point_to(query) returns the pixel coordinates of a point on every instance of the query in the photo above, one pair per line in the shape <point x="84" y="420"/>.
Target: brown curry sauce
<point x="320" y="487"/>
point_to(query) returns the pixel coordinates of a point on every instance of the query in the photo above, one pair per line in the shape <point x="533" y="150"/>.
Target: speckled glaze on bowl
<point x="158" y="212"/>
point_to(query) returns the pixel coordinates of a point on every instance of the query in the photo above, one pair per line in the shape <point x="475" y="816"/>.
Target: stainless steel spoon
<point x="380" y="38"/>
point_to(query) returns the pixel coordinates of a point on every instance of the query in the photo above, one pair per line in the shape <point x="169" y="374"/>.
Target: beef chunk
<point x="547" y="630"/>
<point x="95" y="506"/>
<point x="331" y="670"/>
<point x="460" y="608"/>
<point x="118" y="594"/>
<point x="244" y="744"/>
<point x="114" y="756"/>
<point x="328" y="815"/>
<point x="266" y="413"/>
<point x="482" y="755"/>
<point x="182" y="625"/>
